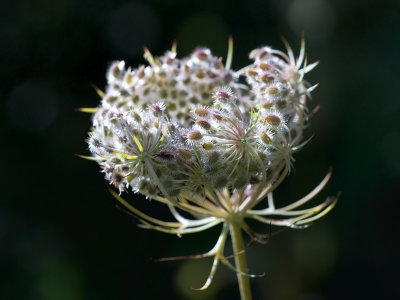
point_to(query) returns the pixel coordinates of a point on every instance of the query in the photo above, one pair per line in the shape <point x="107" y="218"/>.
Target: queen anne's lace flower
<point x="186" y="133"/>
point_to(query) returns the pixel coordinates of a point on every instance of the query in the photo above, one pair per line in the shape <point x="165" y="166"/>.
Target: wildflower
<point x="183" y="132"/>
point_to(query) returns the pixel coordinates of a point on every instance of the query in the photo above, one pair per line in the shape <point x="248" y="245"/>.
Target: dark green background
<point x="61" y="236"/>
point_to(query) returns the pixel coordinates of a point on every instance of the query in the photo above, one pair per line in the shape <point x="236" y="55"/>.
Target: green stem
<point x="240" y="261"/>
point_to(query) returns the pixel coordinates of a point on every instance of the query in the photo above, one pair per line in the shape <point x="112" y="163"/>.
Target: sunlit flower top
<point x="187" y="126"/>
<point x="203" y="139"/>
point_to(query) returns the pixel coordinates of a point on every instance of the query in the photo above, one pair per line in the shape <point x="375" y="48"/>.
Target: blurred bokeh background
<point x="61" y="236"/>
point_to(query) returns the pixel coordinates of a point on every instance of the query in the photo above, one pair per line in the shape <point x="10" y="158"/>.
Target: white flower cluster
<point x="189" y="134"/>
<point x="187" y="126"/>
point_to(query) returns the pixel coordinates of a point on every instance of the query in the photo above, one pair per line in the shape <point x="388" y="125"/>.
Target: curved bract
<point x="185" y="132"/>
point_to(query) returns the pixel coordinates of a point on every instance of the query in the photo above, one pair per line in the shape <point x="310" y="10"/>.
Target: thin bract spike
<point x="214" y="251"/>
<point x="252" y="125"/>
<point x="318" y="216"/>
<point x="138" y="143"/>
<point x="176" y="215"/>
<point x="302" y="73"/>
<point x="148" y="56"/>
<point x="297" y="212"/>
<point x="217" y="250"/>
<point x="289" y="50"/>
<point x="309" y="67"/>
<point x="188" y="222"/>
<point x="314" y="214"/>
<point x="302" y="52"/>
<point x="310" y="89"/>
<point x="174" y="45"/>
<point x="181" y="230"/>
<point x="297" y="148"/>
<point x="198" y="256"/>
<point x="159" y="199"/>
<point x="141" y="215"/>
<point x="311" y="195"/>
<point x="90" y="110"/>
<point x="90" y="157"/>
<point x="231" y="267"/>
<point x="211" y="276"/>
<point x="251" y="115"/>
<point x="159" y="142"/>
<point x="98" y="91"/>
<point x="147" y="225"/>
<point x="126" y="156"/>
<point x="229" y="56"/>
<point x="279" y="212"/>
<point x="314" y="111"/>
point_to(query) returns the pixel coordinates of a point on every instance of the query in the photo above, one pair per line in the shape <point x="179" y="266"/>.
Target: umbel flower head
<point x="187" y="133"/>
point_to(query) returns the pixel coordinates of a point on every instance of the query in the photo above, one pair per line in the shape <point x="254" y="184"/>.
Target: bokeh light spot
<point x="131" y="26"/>
<point x="44" y="15"/>
<point x="14" y="50"/>
<point x="32" y="106"/>
<point x="193" y="273"/>
<point x="203" y="30"/>
<point x="315" y="17"/>
<point x="389" y="149"/>
<point x="59" y="280"/>
<point x="314" y="252"/>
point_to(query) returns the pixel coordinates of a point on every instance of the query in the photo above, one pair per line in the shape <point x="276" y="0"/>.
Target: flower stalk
<point x="240" y="261"/>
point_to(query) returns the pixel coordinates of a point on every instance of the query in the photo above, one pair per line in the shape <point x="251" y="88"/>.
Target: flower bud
<point x="262" y="54"/>
<point x="203" y="124"/>
<point x="128" y="77"/>
<point x="200" y="74"/>
<point x="265" y="138"/>
<point x="280" y="104"/>
<point x="156" y="122"/>
<point x="201" y="54"/>
<point x="207" y="145"/>
<point x="272" y="90"/>
<point x="222" y="95"/>
<point x="251" y="72"/>
<point x="185" y="153"/>
<point x="267" y="78"/>
<point x="272" y="119"/>
<point x="140" y="72"/>
<point x="200" y="111"/>
<point x="194" y="135"/>
<point x="265" y="66"/>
